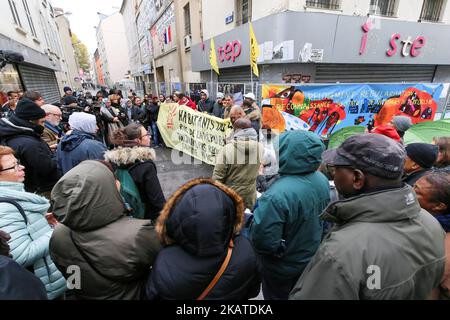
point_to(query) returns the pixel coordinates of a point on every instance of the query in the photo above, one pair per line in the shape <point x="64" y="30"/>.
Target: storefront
<point x="306" y="47"/>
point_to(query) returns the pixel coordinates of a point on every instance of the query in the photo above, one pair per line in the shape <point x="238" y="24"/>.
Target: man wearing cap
<point x="22" y="132"/>
<point x="67" y="93"/>
<point x="420" y="158"/>
<point x="383" y="245"/>
<point x="81" y="144"/>
<point x="218" y="106"/>
<point x="401" y="124"/>
<point x="205" y="104"/>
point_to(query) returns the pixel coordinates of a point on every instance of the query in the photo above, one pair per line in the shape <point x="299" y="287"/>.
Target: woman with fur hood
<point x="134" y="155"/>
<point x="200" y="228"/>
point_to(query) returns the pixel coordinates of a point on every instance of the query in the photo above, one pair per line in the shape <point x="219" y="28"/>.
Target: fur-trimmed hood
<point x="130" y="156"/>
<point x="201" y="217"/>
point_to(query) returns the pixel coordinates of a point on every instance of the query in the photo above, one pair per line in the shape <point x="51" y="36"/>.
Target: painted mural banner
<point x="329" y="108"/>
<point x="197" y="134"/>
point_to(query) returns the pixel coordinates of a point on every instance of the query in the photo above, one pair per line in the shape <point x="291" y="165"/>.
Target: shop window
<point x="383" y="7"/>
<point x="431" y="10"/>
<point x="324" y="4"/>
<point x="187" y="20"/>
<point x="30" y="20"/>
<point x="243" y="11"/>
<point x="15" y="14"/>
<point x="9" y="81"/>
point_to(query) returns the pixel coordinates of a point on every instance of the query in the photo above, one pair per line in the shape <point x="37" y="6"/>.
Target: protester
<point x="196" y="236"/>
<point x="67" y="93"/>
<point x="134" y="113"/>
<point x="433" y="193"/>
<point x="253" y="114"/>
<point x="34" y="96"/>
<point x="218" y="109"/>
<point x="138" y="160"/>
<point x="111" y="121"/>
<point x="236" y="113"/>
<point x="387" y="131"/>
<point x="152" y="120"/>
<point x="228" y="103"/>
<point x="401" y="125"/>
<point x="205" y="104"/>
<point x="27" y="225"/>
<point x="16" y="283"/>
<point x="138" y="103"/>
<point x="10" y="106"/>
<point x="383" y="246"/>
<point x="268" y="171"/>
<point x="70" y="101"/>
<point x="22" y="132"/>
<point x="52" y="133"/>
<point x="238" y="162"/>
<point x="114" y="252"/>
<point x="81" y="144"/>
<point x="443" y="144"/>
<point x="250" y="97"/>
<point x="286" y="230"/>
<point x="162" y="99"/>
<point x="420" y="158"/>
<point x="183" y="100"/>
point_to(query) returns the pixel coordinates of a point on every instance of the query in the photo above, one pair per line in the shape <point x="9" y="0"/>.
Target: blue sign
<point x="229" y="19"/>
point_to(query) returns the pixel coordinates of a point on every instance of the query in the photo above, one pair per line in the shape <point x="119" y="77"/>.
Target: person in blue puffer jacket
<point x="29" y="230"/>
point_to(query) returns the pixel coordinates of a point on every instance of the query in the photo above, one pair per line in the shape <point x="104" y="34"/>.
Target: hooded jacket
<point x="139" y="162"/>
<point x="196" y="226"/>
<point x="114" y="252"/>
<point x="383" y="234"/>
<point x="76" y="148"/>
<point x="41" y="172"/>
<point x="290" y="209"/>
<point x="238" y="165"/>
<point x="30" y="240"/>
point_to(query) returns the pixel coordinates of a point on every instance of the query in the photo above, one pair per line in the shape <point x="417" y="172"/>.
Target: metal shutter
<point x="41" y="80"/>
<point x="358" y="73"/>
<point x="236" y="75"/>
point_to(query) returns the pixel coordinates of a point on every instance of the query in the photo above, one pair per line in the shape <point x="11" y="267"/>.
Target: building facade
<point x="29" y="29"/>
<point x="327" y="41"/>
<point x="112" y="49"/>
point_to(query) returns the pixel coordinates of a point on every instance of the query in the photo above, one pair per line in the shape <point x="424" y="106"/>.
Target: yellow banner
<point x="194" y="133"/>
<point x="213" y="57"/>
<point x="254" y="51"/>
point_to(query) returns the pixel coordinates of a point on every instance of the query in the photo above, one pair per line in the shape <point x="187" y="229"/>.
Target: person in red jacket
<point x="183" y="100"/>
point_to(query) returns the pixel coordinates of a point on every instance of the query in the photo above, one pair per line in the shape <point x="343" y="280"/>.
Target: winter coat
<point x="196" y="226"/>
<point x="30" y="241"/>
<point x="416" y="176"/>
<point x="238" y="165"/>
<point x="218" y="110"/>
<point x="41" y="172"/>
<point x="16" y="283"/>
<point x="383" y="234"/>
<point x="137" y="115"/>
<point x="51" y="135"/>
<point x="139" y="162"/>
<point x="254" y="115"/>
<point x="152" y="113"/>
<point x="76" y="148"/>
<point x="114" y="252"/>
<point x="290" y="209"/>
<point x="206" y="106"/>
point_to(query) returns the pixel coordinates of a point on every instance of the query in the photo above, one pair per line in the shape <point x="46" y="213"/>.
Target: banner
<point x="254" y="51"/>
<point x="194" y="133"/>
<point x="328" y="108"/>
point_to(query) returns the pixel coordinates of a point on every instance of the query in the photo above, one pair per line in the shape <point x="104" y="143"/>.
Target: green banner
<point x="197" y="134"/>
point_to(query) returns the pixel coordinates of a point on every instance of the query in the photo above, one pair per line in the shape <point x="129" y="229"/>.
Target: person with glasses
<point x="81" y="144"/>
<point x="52" y="133"/>
<point x="23" y="217"/>
<point x="136" y="157"/>
<point x="383" y="245"/>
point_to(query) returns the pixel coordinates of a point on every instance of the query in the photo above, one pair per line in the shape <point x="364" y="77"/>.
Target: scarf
<point x="444" y="220"/>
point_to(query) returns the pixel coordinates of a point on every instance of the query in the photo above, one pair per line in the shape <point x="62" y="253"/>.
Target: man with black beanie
<point x="22" y="132"/>
<point x="420" y="158"/>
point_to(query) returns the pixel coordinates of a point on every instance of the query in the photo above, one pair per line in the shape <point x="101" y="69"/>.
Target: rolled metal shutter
<point x="359" y="73"/>
<point x="41" y="80"/>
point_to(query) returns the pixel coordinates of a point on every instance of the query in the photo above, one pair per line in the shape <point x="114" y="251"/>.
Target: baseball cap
<point x="220" y="95"/>
<point x="371" y="153"/>
<point x="250" y="95"/>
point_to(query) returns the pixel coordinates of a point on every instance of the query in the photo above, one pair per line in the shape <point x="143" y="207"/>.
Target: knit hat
<point x="67" y="89"/>
<point x="70" y="100"/>
<point x="424" y="154"/>
<point x="402" y="123"/>
<point x="389" y="132"/>
<point x="83" y="122"/>
<point x="28" y="110"/>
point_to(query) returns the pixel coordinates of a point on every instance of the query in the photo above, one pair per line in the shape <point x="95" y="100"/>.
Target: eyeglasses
<point x="56" y="115"/>
<point x="16" y="167"/>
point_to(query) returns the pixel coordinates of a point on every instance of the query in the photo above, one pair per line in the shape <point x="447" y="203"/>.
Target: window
<point x="12" y="5"/>
<point x="187" y="20"/>
<point x="431" y="10"/>
<point x="30" y="20"/>
<point x="324" y="4"/>
<point x="383" y="7"/>
<point x="243" y="11"/>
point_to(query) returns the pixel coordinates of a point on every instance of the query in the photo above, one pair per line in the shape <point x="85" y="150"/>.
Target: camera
<point x="8" y="56"/>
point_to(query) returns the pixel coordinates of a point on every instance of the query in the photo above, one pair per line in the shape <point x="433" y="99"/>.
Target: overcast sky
<point x="84" y="17"/>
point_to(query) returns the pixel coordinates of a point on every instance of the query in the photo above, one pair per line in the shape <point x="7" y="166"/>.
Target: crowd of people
<point x="368" y="220"/>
